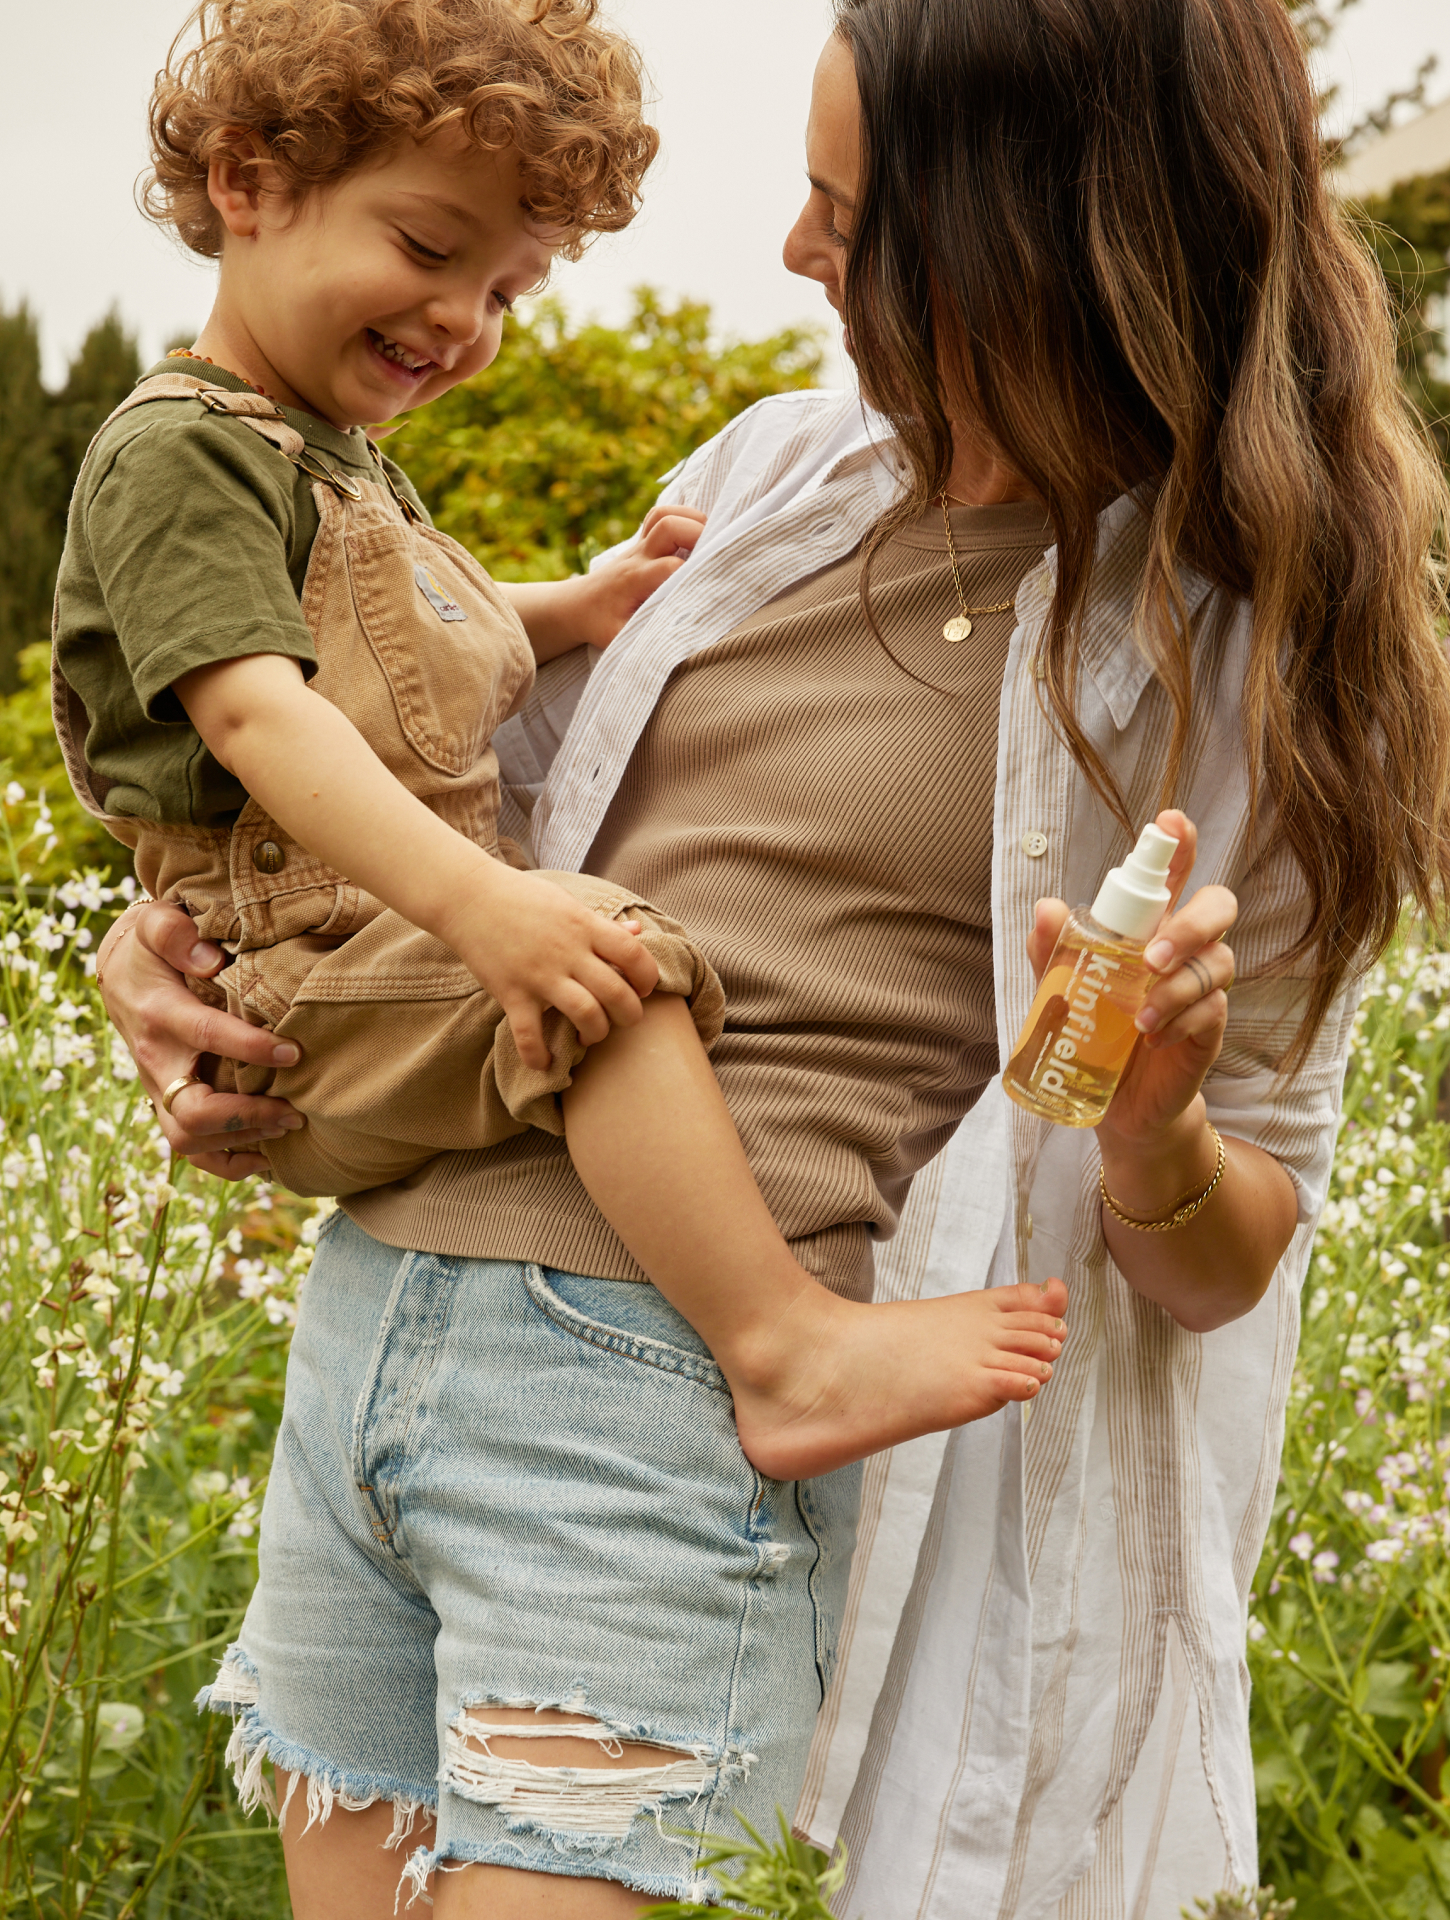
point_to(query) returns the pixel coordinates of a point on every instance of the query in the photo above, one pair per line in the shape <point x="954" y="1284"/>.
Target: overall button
<point x="1034" y="844"/>
<point x="268" y="857"/>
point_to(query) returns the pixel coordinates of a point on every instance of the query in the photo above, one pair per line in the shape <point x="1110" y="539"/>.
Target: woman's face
<point x="815" y="245"/>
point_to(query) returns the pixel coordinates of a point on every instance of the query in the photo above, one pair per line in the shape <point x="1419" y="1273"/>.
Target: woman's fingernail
<point x="1146" y="1019"/>
<point x="292" y="1122"/>
<point x="201" y="956"/>
<point x="1159" y="954"/>
<point x="284" y="1054"/>
<point x="1062" y="1326"/>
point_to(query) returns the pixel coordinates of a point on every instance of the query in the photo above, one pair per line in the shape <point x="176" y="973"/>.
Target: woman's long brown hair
<point x="1106" y="222"/>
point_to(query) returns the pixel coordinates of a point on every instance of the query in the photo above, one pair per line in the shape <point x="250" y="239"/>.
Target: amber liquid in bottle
<point x="1080" y="1033"/>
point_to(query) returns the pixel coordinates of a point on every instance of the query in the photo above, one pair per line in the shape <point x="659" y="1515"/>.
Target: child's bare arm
<point x="589" y="609"/>
<point x="303" y="760"/>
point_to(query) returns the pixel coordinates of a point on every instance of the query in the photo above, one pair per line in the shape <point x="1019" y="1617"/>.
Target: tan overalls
<point x="404" y="1054"/>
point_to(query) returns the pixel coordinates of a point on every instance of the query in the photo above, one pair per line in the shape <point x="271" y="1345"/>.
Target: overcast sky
<point x="732" y="79"/>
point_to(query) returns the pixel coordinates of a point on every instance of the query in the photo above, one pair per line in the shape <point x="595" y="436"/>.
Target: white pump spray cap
<point x="1132" y="898"/>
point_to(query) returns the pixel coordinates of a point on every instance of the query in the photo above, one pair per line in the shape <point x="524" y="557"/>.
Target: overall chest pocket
<point x="455" y="662"/>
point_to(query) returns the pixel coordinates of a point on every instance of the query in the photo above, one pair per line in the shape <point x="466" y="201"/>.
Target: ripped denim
<point x="499" y="1487"/>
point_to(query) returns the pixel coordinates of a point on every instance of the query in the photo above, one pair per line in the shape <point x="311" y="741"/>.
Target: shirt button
<point x="1029" y="1226"/>
<point x="268" y="857"/>
<point x="1034" y="844"/>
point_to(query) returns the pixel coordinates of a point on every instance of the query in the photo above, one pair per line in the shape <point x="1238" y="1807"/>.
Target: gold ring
<point x="185" y="1080"/>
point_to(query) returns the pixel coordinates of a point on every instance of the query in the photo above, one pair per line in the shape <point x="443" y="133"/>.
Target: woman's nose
<point x="805" y="252"/>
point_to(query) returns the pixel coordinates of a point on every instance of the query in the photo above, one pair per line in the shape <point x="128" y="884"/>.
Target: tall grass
<point x="144" y="1318"/>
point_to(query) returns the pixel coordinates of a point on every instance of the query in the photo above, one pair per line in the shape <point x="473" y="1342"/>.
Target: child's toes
<point x="1016" y="1386"/>
<point x="1047" y="1303"/>
<point x="1035" y="1341"/>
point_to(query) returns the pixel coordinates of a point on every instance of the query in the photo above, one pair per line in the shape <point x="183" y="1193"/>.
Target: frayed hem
<point x="698" y="1887"/>
<point x="252" y="1746"/>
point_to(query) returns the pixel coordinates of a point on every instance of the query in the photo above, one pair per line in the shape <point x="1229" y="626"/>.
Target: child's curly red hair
<point x="330" y="84"/>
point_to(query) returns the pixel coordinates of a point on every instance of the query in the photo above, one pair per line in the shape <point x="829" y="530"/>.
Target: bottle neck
<point x="1107" y="936"/>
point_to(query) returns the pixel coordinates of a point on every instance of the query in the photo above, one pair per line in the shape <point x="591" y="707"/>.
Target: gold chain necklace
<point x="960" y="624"/>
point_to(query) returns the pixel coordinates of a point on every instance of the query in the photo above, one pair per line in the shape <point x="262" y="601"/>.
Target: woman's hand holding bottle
<point x="1183" y="1017"/>
<point x="1157" y="1146"/>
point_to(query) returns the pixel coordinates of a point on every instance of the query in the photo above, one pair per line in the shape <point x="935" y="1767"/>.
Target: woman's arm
<point x="1155" y="1140"/>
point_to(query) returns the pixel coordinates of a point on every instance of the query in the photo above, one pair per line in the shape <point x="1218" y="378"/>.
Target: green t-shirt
<point x="188" y="543"/>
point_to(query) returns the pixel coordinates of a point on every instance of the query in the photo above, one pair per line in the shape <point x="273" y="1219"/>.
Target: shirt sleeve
<point x="1293" y="1116"/>
<point x="190" y="527"/>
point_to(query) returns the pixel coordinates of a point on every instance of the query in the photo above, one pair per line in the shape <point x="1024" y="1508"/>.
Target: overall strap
<point x="254" y="410"/>
<point x="265" y="418"/>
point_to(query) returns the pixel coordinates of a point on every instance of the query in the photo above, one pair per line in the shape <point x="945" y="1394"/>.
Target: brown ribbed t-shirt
<point x="821" y="821"/>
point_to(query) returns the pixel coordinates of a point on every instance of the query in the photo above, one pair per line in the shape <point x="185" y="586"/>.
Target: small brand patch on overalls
<point x="428" y="586"/>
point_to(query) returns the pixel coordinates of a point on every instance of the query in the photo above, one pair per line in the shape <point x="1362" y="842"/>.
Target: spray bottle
<point x="1079" y="1034"/>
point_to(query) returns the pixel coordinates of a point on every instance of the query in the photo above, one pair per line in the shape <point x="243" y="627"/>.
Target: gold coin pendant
<point x="957" y="628"/>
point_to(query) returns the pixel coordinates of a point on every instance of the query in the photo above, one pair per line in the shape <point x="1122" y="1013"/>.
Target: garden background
<point x="145" y="1310"/>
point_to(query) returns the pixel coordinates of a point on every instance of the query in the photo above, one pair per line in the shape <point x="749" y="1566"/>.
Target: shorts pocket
<point x="631" y="1343"/>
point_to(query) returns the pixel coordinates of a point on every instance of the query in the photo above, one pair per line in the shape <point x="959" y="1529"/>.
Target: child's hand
<point x="534" y="946"/>
<point x="590" y="608"/>
<point x="611" y="595"/>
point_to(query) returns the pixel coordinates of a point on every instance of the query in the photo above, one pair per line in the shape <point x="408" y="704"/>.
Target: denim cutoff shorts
<point x="501" y="1485"/>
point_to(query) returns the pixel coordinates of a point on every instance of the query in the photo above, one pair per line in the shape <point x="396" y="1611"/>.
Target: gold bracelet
<point x="1178" y="1214"/>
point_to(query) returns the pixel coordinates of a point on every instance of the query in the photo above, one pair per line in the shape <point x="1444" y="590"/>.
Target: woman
<point x="1099" y="302"/>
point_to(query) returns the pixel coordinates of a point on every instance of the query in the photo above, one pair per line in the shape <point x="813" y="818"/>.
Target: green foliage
<point x="791" y="1881"/>
<point x="1349" y="1641"/>
<point x="557" y="449"/>
<point x="1409" y="228"/>
<point x="30" y="758"/>
<point x="30" y="548"/>
<point x="43" y="438"/>
<point x="1249" y="1904"/>
<point x="143" y="1334"/>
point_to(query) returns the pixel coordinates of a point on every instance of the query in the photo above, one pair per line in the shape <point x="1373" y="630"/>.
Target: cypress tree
<point x="29" y="482"/>
<point x="43" y="439"/>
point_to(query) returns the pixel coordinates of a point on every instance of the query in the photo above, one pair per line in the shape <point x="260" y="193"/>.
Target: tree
<point x="1409" y="229"/>
<point x="43" y="439"/>
<point x="99" y="378"/>
<point x="28" y="481"/>
<point x="557" y="449"/>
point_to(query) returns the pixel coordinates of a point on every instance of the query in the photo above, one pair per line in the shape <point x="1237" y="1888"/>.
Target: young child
<point x="277" y="683"/>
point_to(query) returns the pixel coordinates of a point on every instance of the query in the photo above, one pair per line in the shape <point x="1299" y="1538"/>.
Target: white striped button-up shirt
<point x="1041" y="1702"/>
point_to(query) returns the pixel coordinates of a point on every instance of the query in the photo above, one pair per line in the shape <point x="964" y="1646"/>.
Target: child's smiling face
<point x="377" y="293"/>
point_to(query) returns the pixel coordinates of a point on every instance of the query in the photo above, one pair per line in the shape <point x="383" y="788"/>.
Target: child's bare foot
<point x="841" y="1380"/>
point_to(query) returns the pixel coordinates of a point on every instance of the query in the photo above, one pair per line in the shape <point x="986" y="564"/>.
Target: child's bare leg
<point x="818" y="1381"/>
